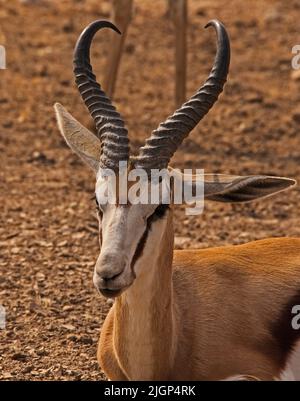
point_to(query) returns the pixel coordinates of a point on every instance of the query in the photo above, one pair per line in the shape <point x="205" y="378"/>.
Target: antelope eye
<point x="158" y="213"/>
<point x="98" y="207"/>
<point x="161" y="210"/>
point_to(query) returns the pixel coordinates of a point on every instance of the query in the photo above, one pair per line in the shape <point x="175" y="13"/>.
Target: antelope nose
<point x="107" y="276"/>
<point x="105" y="283"/>
<point x="107" y="270"/>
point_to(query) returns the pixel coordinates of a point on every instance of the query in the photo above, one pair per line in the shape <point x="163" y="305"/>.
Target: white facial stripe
<point x="114" y="224"/>
<point x="123" y="228"/>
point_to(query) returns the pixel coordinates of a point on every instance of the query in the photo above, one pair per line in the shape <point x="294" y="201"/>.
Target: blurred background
<point x="48" y="229"/>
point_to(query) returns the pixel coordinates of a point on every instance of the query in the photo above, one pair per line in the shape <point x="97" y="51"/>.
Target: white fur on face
<point x="123" y="226"/>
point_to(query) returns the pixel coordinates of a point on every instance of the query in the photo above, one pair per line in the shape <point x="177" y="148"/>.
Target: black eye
<point x="161" y="210"/>
<point x="98" y="207"/>
<point x="158" y="214"/>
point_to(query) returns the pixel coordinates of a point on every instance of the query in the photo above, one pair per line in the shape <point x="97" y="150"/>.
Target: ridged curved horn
<point x="164" y="141"/>
<point x="109" y="124"/>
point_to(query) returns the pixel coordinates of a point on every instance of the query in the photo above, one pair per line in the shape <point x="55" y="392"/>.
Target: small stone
<point x="181" y="241"/>
<point x="19" y="356"/>
<point x="40" y="277"/>
<point x="110" y="302"/>
<point x="72" y="337"/>
<point x="6" y="375"/>
<point x="42" y="352"/>
<point x="78" y="235"/>
<point x="68" y="327"/>
<point x="68" y="308"/>
<point x="35" y="373"/>
<point x="43" y="372"/>
<point x="86" y="340"/>
<point x="61" y="244"/>
<point x="28" y="369"/>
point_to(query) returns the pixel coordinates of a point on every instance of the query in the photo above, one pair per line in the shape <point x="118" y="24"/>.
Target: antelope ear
<point x="82" y="141"/>
<point x="227" y="188"/>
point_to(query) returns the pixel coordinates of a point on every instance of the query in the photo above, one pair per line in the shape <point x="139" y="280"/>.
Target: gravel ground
<point x="48" y="229"/>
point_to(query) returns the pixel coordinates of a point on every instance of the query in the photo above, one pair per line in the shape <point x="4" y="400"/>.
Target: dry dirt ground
<point x="48" y="229"/>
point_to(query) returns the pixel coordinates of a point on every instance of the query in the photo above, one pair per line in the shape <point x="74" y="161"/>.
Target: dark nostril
<point x="107" y="277"/>
<point x="107" y="273"/>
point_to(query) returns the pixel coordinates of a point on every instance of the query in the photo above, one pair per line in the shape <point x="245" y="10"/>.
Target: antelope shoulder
<point x="234" y="304"/>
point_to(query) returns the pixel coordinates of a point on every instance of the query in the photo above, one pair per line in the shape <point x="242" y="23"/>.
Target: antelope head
<point x="128" y="230"/>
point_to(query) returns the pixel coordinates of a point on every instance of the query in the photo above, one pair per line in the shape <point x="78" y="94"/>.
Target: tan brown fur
<point x="184" y="315"/>
<point x="211" y="313"/>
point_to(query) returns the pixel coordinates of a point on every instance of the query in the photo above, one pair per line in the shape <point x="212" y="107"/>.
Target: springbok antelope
<point x="121" y="16"/>
<point x="204" y="314"/>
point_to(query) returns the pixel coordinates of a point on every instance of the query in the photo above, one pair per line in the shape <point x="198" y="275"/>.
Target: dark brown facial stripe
<point x="158" y="214"/>
<point x="100" y="234"/>
<point x="285" y="335"/>
<point x="140" y="247"/>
